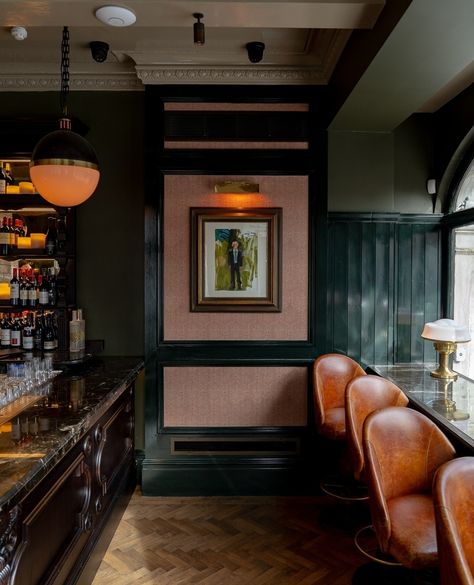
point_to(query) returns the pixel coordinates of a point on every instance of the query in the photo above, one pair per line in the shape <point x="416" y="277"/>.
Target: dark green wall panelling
<point x="369" y="318"/>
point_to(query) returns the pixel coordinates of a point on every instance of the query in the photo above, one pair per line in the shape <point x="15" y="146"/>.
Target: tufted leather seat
<point x="331" y="374"/>
<point x="453" y="496"/>
<point x="402" y="451"/>
<point x="363" y="396"/>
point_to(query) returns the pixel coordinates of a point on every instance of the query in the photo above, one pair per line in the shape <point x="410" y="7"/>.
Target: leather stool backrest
<point x="453" y="496"/>
<point x="331" y="374"/>
<point x="402" y="451"/>
<point x="363" y="396"/>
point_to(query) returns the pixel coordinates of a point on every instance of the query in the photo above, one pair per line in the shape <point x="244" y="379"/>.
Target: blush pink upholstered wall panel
<point x="185" y="191"/>
<point x="235" y="396"/>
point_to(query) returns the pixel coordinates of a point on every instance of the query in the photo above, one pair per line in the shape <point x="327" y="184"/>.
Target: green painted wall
<point x="381" y="171"/>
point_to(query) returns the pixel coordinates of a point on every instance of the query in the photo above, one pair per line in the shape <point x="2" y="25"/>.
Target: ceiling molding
<point x="156" y="74"/>
<point x="84" y="82"/>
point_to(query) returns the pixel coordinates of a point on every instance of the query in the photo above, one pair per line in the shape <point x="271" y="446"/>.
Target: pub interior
<point x="263" y="307"/>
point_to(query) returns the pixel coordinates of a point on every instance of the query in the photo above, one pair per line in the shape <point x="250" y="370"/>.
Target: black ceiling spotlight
<point x="99" y="50"/>
<point x="255" y="51"/>
<point x="198" y="28"/>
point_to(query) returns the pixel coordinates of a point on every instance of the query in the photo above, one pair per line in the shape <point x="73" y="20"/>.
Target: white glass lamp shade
<point x="64" y="168"/>
<point x="446" y="330"/>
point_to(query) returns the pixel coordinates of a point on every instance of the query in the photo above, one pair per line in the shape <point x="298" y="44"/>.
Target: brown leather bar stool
<point x="331" y="374"/>
<point x="402" y="451"/>
<point x="364" y="396"/>
<point x="453" y="496"/>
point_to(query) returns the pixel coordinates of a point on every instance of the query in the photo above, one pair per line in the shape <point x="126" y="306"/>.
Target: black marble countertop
<point x="432" y="395"/>
<point x="72" y="403"/>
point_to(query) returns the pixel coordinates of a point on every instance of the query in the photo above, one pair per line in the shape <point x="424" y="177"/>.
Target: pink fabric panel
<point x="235" y="396"/>
<point x="185" y="191"/>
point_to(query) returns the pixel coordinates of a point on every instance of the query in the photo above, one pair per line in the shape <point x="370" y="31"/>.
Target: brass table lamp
<point x="445" y="334"/>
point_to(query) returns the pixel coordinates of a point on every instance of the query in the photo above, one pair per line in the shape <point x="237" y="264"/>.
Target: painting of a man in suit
<point x="234" y="258"/>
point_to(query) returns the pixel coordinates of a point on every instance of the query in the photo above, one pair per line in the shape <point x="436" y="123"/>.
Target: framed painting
<point x="235" y="259"/>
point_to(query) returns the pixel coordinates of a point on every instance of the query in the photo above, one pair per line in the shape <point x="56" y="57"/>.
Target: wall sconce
<point x="198" y="28"/>
<point x="63" y="166"/>
<point x="445" y="333"/>
<point x="236" y="187"/>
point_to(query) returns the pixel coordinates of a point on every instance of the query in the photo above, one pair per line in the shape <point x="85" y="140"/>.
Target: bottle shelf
<point x="37" y="255"/>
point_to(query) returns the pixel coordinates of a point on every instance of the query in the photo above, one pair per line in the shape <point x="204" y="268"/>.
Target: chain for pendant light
<point x="64" y="71"/>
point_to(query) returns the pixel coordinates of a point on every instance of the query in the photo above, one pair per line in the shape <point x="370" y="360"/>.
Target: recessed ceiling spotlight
<point x="115" y="15"/>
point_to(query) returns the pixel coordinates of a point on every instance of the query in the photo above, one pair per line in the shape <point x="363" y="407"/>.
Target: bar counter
<point x="450" y="403"/>
<point x="72" y="403"/>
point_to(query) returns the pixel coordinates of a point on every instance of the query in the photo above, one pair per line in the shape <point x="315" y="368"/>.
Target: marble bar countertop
<point x="432" y="395"/>
<point x="72" y="403"/>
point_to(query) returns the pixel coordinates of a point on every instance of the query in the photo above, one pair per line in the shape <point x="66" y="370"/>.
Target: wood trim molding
<point x="81" y="82"/>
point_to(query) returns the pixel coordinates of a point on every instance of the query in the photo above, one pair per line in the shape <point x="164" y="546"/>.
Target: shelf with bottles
<point x="15" y="177"/>
<point x="34" y="330"/>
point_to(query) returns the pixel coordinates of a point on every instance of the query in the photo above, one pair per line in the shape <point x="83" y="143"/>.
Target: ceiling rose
<point x="115" y="15"/>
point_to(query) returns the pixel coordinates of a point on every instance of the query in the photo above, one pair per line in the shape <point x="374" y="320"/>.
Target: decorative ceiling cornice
<point x="159" y="74"/>
<point x="81" y="82"/>
<point x="169" y="74"/>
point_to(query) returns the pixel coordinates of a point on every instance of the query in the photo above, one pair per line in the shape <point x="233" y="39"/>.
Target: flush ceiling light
<point x="198" y="28"/>
<point x="115" y="15"/>
<point x="63" y="166"/>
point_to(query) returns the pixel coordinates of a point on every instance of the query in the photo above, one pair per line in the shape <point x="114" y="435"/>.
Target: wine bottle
<point x="4" y="238"/>
<point x="15" y="289"/>
<point x="5" y="333"/>
<point x="61" y="233"/>
<point x="32" y="291"/>
<point x="38" y="335"/>
<point x="24" y="289"/>
<point x="43" y="290"/>
<point x="49" y="343"/>
<point x="52" y="287"/>
<point x="28" y="330"/>
<point x="3" y="180"/>
<point x="8" y="174"/>
<point x="15" y="335"/>
<point x="51" y="237"/>
<point x="13" y="236"/>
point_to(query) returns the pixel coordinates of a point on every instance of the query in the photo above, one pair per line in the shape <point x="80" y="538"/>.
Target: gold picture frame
<point x="236" y="259"/>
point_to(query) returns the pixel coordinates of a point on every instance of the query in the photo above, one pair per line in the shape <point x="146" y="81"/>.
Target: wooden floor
<point x="232" y="541"/>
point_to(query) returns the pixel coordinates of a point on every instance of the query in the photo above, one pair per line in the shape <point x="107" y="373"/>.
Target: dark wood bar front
<point x="61" y="477"/>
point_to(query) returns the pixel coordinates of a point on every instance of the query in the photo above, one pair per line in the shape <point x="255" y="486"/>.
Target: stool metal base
<point x="344" y="489"/>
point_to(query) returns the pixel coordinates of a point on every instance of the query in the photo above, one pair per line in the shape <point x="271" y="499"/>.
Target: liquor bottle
<point x="43" y="290"/>
<point x="24" y="289"/>
<point x="15" y="289"/>
<point x="51" y="237"/>
<point x="15" y="335"/>
<point x="5" y="333"/>
<point x="4" y="238"/>
<point x="3" y="180"/>
<point x="28" y="331"/>
<point x="32" y="290"/>
<point x="49" y="342"/>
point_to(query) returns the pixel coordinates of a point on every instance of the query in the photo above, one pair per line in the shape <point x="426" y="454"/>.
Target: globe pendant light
<point x="63" y="166"/>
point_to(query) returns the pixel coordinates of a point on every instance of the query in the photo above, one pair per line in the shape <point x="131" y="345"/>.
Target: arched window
<point x="462" y="264"/>
<point x="464" y="197"/>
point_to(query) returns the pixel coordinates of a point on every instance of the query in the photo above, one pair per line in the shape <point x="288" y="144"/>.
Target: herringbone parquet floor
<point x="231" y="541"/>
